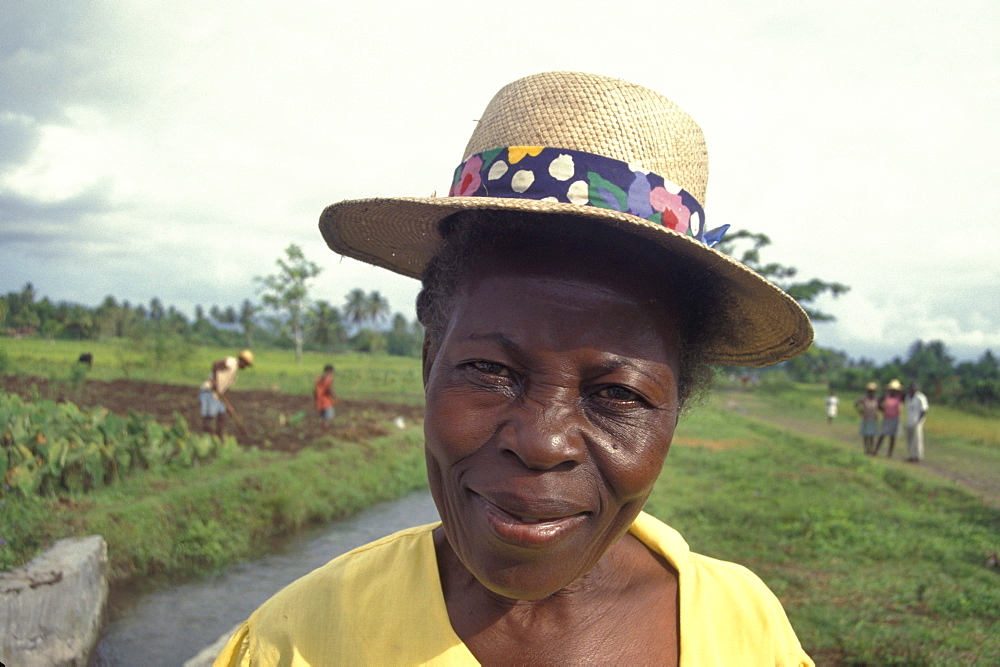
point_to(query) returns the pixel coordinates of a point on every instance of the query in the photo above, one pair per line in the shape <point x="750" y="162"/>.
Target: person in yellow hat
<point x="890" y="405"/>
<point x="220" y="380"/>
<point x="867" y="407"/>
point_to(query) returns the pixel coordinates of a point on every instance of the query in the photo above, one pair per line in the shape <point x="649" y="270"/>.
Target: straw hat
<point x="247" y="356"/>
<point x="599" y="148"/>
<point x="894" y="385"/>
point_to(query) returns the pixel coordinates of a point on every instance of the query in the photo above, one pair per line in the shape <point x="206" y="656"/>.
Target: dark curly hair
<point x="469" y="237"/>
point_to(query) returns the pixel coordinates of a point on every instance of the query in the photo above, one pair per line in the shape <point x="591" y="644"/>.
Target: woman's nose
<point x="545" y="437"/>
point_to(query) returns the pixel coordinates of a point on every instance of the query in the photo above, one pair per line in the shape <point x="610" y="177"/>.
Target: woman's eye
<point x="618" y="393"/>
<point x="491" y="368"/>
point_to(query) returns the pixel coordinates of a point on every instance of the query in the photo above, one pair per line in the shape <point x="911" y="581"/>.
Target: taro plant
<point x="49" y="448"/>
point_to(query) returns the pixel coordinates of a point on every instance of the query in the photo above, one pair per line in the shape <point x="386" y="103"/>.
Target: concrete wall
<point x="51" y="609"/>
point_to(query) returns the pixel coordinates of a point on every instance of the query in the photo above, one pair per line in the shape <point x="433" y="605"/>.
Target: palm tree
<point x="78" y="322"/>
<point x="325" y="324"/>
<point x="247" y="318"/>
<point x="356" y="308"/>
<point x="378" y="307"/>
<point x="130" y="319"/>
<point x="156" y="309"/>
<point x="107" y="316"/>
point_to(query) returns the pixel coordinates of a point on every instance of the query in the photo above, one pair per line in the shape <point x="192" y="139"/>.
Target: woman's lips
<point x="528" y="527"/>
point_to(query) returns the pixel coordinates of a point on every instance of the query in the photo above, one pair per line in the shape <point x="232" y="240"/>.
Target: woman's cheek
<point x="459" y="422"/>
<point x="634" y="459"/>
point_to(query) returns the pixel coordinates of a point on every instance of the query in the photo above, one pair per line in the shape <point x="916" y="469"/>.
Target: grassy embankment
<point x="876" y="561"/>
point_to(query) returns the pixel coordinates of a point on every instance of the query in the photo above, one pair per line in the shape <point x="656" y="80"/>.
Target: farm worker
<point x="218" y="382"/>
<point x="916" y="409"/>
<point x="831" y="406"/>
<point x="867" y="407"/>
<point x="325" y="398"/>
<point x="890" y="405"/>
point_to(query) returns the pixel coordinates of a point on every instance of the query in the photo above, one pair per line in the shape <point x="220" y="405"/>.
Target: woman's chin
<point x="529" y="584"/>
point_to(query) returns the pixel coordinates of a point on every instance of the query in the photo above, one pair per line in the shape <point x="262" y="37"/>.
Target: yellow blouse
<point x="382" y="604"/>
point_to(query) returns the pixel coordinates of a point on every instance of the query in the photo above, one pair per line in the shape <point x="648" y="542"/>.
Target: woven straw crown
<point x="604" y="117"/>
<point x="608" y="117"/>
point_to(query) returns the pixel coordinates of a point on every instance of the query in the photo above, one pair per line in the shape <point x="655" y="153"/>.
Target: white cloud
<point x="174" y="150"/>
<point x="881" y="325"/>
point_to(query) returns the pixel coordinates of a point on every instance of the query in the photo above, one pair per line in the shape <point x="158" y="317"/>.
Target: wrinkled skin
<point x="551" y="402"/>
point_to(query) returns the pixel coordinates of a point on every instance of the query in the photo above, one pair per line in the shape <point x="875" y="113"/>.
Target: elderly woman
<point x="572" y="304"/>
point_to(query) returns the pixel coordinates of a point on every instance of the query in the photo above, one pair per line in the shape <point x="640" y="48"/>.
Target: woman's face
<point x="551" y="404"/>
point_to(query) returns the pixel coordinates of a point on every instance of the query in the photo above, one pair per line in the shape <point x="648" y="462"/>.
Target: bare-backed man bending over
<point x="218" y="382"/>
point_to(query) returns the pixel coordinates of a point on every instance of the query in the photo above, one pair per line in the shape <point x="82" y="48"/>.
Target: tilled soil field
<point x="273" y="420"/>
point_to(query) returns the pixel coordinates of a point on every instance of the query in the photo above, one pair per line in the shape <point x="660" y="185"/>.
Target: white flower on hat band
<point x="498" y="169"/>
<point x="578" y="193"/>
<point x="562" y="168"/>
<point x="522" y="180"/>
<point x="671" y="187"/>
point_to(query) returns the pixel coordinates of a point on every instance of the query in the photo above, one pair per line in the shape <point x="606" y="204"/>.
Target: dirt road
<point x="984" y="483"/>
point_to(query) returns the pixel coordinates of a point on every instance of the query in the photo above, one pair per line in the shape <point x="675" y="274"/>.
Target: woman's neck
<point x="626" y="605"/>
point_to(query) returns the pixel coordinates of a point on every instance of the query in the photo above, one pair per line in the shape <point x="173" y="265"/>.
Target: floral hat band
<point x="587" y="179"/>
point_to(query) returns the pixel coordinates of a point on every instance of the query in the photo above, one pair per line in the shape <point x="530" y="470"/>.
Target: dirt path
<point x="845" y="430"/>
<point x="277" y="421"/>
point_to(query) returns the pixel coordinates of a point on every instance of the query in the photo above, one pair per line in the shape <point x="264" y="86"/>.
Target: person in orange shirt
<point x="325" y="398"/>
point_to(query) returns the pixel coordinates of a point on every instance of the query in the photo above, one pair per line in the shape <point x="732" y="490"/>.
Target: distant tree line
<point x="969" y="383"/>
<point x="362" y="323"/>
<point x="286" y="317"/>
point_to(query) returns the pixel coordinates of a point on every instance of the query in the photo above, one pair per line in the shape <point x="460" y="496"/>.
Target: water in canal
<point x="170" y="625"/>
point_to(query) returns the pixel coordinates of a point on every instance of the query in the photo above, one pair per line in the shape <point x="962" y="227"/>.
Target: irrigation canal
<point x="170" y="625"/>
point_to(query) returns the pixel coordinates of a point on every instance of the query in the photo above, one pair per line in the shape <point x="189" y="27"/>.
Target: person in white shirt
<point x="831" y="407"/>
<point x="218" y="382"/>
<point x="916" y="409"/>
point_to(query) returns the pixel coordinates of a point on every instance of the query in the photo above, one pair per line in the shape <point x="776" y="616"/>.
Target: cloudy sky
<point x="174" y="149"/>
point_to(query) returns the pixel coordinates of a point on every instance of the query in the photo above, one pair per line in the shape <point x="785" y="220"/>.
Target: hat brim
<point x="401" y="234"/>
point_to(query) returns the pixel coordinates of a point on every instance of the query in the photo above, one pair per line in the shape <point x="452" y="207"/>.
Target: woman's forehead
<point x="574" y="271"/>
<point x="562" y="310"/>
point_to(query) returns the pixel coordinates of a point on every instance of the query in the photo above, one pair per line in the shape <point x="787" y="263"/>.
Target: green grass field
<point x="877" y="561"/>
<point x="358" y="376"/>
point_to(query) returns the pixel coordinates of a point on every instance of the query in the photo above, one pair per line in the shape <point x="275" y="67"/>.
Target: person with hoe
<point x="867" y="407"/>
<point x="324" y="397"/>
<point x="213" y="390"/>
<point x="572" y="305"/>
<point x="890" y="405"/>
